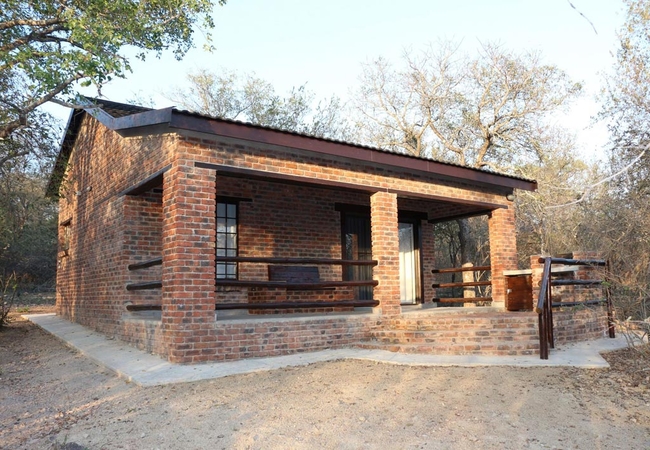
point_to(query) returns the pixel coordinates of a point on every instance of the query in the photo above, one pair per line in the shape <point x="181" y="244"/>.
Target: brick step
<point x="468" y="323"/>
<point x="502" y="349"/>
<point x="458" y="333"/>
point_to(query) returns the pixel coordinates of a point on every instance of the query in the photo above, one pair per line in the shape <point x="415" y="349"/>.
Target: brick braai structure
<point x="172" y="213"/>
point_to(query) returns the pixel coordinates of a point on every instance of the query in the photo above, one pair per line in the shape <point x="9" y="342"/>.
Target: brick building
<point x="170" y="221"/>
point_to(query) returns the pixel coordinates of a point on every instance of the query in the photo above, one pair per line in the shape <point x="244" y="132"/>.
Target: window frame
<point x="227" y="250"/>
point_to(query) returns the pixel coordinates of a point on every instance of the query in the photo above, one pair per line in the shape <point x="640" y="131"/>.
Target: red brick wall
<point x="503" y="250"/>
<point x="285" y="220"/>
<point x="142" y="241"/>
<point x="579" y="324"/>
<point x="91" y="278"/>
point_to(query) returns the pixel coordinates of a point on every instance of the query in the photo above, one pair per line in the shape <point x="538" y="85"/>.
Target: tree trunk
<point x="465" y="239"/>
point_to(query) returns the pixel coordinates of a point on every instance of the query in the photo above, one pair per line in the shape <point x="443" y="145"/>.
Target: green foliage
<point x="28" y="228"/>
<point x="47" y="47"/>
<point x="230" y="95"/>
<point x="620" y="224"/>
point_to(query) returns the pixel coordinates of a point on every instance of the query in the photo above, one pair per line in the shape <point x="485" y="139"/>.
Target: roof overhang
<point x="172" y="120"/>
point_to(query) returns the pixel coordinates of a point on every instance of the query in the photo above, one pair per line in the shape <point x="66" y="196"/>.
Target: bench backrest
<point x="294" y="274"/>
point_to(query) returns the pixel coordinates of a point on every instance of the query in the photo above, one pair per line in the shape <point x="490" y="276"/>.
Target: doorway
<point x="409" y="273"/>
<point x="357" y="245"/>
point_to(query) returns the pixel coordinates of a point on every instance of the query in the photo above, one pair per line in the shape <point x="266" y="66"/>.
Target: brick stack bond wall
<point x="91" y="279"/>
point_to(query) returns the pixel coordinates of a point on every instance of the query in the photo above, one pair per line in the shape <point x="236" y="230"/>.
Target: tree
<point x="230" y="95"/>
<point x="550" y="221"/>
<point x="28" y="228"/>
<point x="627" y="97"/>
<point x="621" y="224"/>
<point x="48" y="48"/>
<point x="490" y="111"/>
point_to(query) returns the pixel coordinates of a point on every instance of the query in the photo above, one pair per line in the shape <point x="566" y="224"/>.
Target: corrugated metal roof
<point x="117" y="110"/>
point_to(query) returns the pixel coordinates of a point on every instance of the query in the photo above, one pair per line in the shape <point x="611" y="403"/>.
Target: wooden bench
<point x="296" y="274"/>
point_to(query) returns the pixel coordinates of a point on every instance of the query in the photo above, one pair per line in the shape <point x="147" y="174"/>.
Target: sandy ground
<point x="53" y="398"/>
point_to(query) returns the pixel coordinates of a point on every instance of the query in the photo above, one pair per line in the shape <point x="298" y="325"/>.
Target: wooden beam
<point x="296" y="286"/>
<point x="276" y="305"/>
<point x="462" y="269"/>
<point x="462" y="299"/>
<point x="145" y="264"/>
<point x="144" y="286"/>
<point x="273" y="260"/>
<point x="453" y="285"/>
<point x="297" y="305"/>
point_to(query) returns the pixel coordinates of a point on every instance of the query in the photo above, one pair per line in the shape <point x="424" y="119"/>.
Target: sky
<point x="324" y="44"/>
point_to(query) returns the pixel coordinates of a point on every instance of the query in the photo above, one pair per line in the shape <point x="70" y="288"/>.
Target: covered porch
<point x="285" y="263"/>
<point x="274" y="233"/>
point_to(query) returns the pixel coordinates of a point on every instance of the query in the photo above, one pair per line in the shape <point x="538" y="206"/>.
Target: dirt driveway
<point x="51" y="397"/>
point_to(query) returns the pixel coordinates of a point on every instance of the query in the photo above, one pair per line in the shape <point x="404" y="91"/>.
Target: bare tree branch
<point x="590" y="188"/>
<point x="585" y="17"/>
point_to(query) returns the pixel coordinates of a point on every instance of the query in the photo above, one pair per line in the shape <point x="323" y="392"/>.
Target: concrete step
<point x="503" y="349"/>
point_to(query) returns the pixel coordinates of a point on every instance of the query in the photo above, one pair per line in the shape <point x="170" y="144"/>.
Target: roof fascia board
<point x="137" y="120"/>
<point x="67" y="142"/>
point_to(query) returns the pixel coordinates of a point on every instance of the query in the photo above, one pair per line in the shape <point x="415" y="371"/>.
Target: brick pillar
<point x="385" y="249"/>
<point x="503" y="250"/>
<point x="428" y="261"/>
<point x="188" y="275"/>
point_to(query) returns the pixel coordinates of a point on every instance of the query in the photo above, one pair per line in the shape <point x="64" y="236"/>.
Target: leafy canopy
<point x="46" y="47"/>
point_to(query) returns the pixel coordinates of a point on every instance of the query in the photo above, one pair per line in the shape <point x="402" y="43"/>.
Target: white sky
<point x="324" y="43"/>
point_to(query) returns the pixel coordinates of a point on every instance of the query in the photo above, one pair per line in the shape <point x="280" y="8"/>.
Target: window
<point x="226" y="239"/>
<point x="65" y="238"/>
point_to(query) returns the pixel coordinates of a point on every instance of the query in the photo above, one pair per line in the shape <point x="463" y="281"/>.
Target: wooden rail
<point x="462" y="269"/>
<point x="462" y="284"/>
<point x="290" y="285"/>
<point x="307" y="285"/>
<point x="317" y="261"/>
<point x="545" y="305"/>
<point x="276" y="305"/>
<point x="145" y="264"/>
<point x="462" y="299"/>
<point x="466" y="284"/>
<point x="146" y="285"/>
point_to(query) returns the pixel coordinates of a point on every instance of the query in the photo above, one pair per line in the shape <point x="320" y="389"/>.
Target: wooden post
<point x="469" y="291"/>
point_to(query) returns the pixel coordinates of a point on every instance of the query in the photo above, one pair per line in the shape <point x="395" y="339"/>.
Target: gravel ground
<point x="53" y="398"/>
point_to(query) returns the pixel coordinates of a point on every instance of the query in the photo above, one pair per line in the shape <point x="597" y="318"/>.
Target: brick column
<point x="428" y="261"/>
<point x="188" y="275"/>
<point x="385" y="249"/>
<point x="503" y="250"/>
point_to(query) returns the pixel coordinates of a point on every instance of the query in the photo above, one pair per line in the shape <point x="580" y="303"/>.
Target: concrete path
<point x="145" y="369"/>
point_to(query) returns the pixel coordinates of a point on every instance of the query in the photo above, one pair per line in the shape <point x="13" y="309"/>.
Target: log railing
<point x="462" y="284"/>
<point x="302" y="285"/>
<point x="156" y="284"/>
<point x="545" y="305"/>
